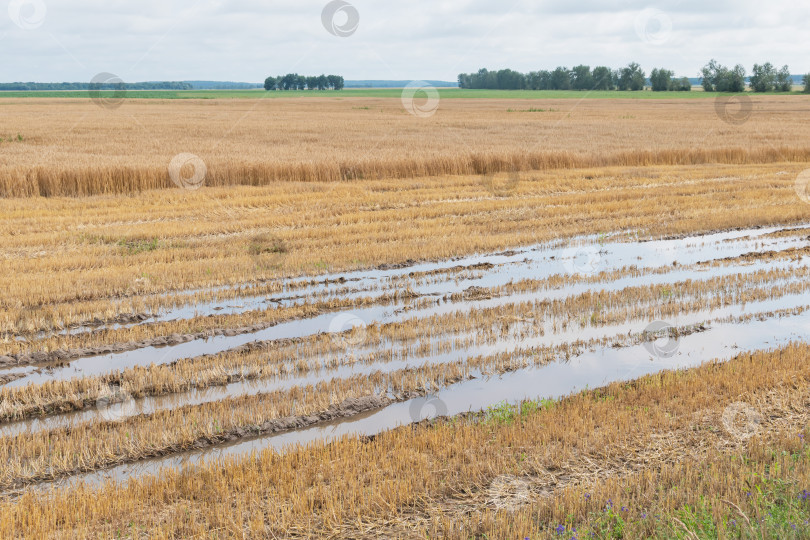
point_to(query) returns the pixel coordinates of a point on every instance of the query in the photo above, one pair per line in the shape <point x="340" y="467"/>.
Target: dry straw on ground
<point x="297" y="200"/>
<point x="615" y="442"/>
<point x="72" y="261"/>
<point x="72" y="147"/>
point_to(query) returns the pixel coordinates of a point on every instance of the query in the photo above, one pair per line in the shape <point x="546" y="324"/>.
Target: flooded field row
<point x="592" y="369"/>
<point x="584" y="256"/>
<point x="451" y="337"/>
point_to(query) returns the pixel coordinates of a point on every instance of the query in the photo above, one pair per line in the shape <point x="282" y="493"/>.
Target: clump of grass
<point x="532" y="109"/>
<point x="267" y="243"/>
<point x="506" y="413"/>
<point x="775" y="508"/>
<point x="133" y="247"/>
<point x="501" y="413"/>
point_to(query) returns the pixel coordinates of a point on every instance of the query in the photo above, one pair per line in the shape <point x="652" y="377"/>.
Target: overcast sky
<point x="246" y="40"/>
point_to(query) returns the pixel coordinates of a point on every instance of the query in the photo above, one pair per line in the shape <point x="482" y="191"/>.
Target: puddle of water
<point x="592" y="369"/>
<point x="587" y="254"/>
<point x="301" y="328"/>
<point x="548" y="338"/>
<point x="555" y="380"/>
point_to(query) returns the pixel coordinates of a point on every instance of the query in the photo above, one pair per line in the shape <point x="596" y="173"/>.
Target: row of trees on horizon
<point x="294" y="81"/>
<point x="714" y="78"/>
<point x="154" y="85"/>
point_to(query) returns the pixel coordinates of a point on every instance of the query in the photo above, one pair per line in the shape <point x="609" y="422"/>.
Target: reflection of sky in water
<point x="591" y="369"/>
<point x="582" y="255"/>
<point x="535" y="263"/>
<point x="588" y="370"/>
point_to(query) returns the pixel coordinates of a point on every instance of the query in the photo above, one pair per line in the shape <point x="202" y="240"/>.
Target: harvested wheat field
<point x="510" y="319"/>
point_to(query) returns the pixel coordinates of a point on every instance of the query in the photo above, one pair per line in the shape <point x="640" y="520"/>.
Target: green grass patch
<point x="775" y="506"/>
<point x="506" y="413"/>
<point x="532" y="109"/>
<point x="266" y="243"/>
<point x="133" y="247"/>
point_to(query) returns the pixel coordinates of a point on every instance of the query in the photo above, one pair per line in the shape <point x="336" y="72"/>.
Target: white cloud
<point x="246" y="40"/>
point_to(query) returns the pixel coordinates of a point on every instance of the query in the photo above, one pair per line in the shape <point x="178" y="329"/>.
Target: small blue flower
<point x="624" y="509"/>
<point x="560" y="529"/>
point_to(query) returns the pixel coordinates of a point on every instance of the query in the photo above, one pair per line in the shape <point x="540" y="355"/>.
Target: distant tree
<point x="484" y="79"/>
<point x="681" y="85"/>
<point x="719" y="78"/>
<point x="560" y="79"/>
<point x="581" y="78"/>
<point x="533" y="80"/>
<point x="289" y="81"/>
<point x="539" y="80"/>
<point x="806" y="81"/>
<point x="602" y="78"/>
<point x="661" y="80"/>
<point x="707" y="75"/>
<point x="733" y="80"/>
<point x="632" y="77"/>
<point x="508" y="79"/>
<point x="294" y="81"/>
<point x="763" y="77"/>
<point x="784" y="81"/>
<point x="616" y="74"/>
<point x="464" y="80"/>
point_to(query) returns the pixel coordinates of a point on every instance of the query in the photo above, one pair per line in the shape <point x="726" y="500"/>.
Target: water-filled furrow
<point x="582" y="255"/>
<point x="588" y="370"/>
<point x="548" y="338"/>
<point x="326" y="323"/>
